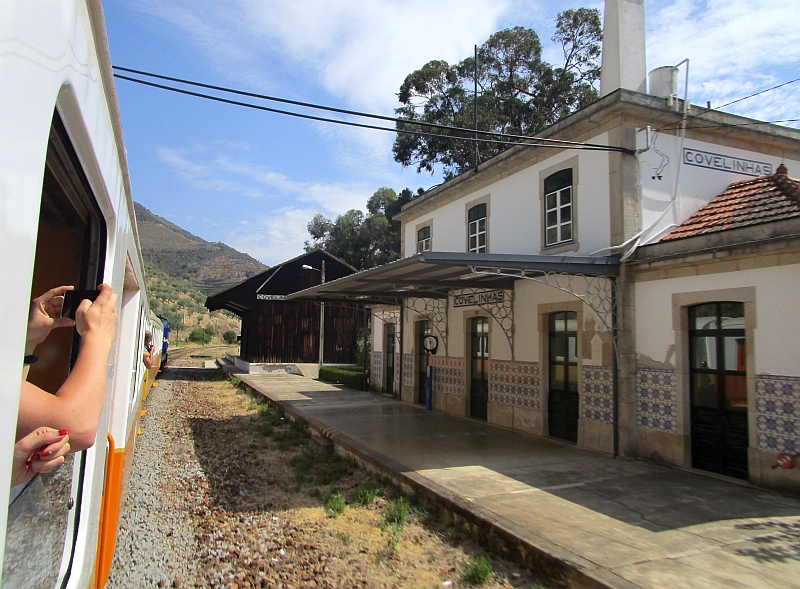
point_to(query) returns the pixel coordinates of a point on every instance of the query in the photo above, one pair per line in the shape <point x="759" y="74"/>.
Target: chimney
<point x="623" y="61"/>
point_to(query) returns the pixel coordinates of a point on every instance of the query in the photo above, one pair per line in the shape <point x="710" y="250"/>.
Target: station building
<point x="277" y="333"/>
<point x="639" y="300"/>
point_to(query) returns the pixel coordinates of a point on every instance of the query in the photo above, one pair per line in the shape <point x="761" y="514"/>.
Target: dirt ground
<point x="262" y="511"/>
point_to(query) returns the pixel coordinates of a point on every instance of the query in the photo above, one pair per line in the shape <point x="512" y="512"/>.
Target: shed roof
<point x="236" y="298"/>
<point x="748" y="202"/>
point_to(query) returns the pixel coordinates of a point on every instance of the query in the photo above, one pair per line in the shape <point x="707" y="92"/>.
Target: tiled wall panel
<point x="448" y="375"/>
<point x="408" y="370"/>
<point x="515" y="383"/>
<point x="377" y="369"/>
<point x="778" y="403"/>
<point x="598" y="386"/>
<point x="656" y="399"/>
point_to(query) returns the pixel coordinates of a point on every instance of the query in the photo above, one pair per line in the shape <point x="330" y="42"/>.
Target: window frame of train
<point x="718" y="388"/>
<point x="70" y="249"/>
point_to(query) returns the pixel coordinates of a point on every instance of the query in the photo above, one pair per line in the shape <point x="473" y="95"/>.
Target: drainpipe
<point x="615" y="369"/>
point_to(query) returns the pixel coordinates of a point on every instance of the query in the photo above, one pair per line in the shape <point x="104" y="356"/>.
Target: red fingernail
<point x="36" y="456"/>
<point x="63" y="432"/>
<point x="28" y="463"/>
<point x="46" y="454"/>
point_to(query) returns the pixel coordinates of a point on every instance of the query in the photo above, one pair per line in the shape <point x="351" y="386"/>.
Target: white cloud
<point x="736" y="47"/>
<point x="357" y="50"/>
<point x="273" y="238"/>
<point x="273" y="231"/>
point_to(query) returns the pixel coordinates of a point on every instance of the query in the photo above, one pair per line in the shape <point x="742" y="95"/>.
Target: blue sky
<point x="254" y="180"/>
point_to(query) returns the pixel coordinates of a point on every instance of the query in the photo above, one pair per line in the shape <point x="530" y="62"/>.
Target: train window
<point x="70" y="249"/>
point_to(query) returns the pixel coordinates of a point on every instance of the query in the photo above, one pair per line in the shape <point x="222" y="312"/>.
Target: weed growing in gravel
<point x="365" y="496"/>
<point x="236" y="382"/>
<point x="477" y="571"/>
<point x="396" y="513"/>
<point x="452" y="535"/>
<point x="335" y="504"/>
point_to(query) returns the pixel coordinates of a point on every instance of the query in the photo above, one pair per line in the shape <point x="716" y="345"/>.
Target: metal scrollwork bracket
<point x="435" y="310"/>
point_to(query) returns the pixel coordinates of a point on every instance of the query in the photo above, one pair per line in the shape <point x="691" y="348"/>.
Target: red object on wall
<point x="786" y="461"/>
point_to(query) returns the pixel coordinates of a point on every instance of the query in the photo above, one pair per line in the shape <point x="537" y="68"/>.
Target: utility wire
<point x="728" y="104"/>
<point x="757" y="93"/>
<point x="712" y="125"/>
<point x="542" y="140"/>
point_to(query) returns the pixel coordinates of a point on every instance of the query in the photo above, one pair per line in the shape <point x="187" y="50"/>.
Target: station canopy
<point x="438" y="274"/>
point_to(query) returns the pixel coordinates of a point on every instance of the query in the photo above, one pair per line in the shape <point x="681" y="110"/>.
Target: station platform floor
<point x="591" y="520"/>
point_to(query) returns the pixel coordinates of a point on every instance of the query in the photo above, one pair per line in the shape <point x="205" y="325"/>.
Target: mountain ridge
<point x="209" y="266"/>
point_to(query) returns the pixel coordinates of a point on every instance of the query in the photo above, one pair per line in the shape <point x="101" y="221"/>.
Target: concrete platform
<point x="582" y="518"/>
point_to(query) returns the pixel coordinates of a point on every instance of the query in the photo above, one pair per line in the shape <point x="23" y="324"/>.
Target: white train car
<point x="66" y="217"/>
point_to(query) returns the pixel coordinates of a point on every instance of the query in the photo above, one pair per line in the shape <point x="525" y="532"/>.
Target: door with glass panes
<point x="390" y="349"/>
<point x="479" y="368"/>
<point x="718" y="377"/>
<point x="423" y="329"/>
<point x="563" y="399"/>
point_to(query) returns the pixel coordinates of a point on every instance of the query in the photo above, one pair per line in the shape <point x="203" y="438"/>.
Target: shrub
<point x="396" y="513"/>
<point x="365" y="496"/>
<point x="229" y="337"/>
<point x="335" y="504"/>
<point x="199" y="336"/>
<point x="349" y="376"/>
<point x="477" y="571"/>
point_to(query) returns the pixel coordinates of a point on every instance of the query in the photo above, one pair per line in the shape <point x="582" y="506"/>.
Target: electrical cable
<point x="716" y="125"/>
<point x="543" y="140"/>
<point x="734" y="102"/>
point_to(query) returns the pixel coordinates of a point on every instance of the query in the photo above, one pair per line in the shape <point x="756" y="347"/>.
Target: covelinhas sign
<point x="487" y="297"/>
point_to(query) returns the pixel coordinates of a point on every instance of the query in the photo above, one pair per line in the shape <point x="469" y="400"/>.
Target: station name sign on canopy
<point x="488" y="297"/>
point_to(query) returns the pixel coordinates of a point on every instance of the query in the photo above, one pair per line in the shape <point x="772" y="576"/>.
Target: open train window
<point x="70" y="249"/>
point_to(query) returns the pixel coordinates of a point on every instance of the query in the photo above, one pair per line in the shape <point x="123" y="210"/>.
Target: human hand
<point x="45" y="315"/>
<point x="42" y="450"/>
<point x="99" y="318"/>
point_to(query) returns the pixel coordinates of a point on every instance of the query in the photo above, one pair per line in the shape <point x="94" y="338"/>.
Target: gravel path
<point x="156" y="545"/>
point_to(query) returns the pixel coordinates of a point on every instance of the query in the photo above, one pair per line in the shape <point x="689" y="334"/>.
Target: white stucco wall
<point x="702" y="170"/>
<point x="777" y="334"/>
<point x="515" y="214"/>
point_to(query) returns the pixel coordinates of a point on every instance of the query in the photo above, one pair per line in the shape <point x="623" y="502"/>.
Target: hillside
<point x="182" y="304"/>
<point x="209" y="267"/>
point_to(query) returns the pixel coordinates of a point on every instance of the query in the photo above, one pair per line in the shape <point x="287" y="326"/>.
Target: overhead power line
<point x="712" y="125"/>
<point x="759" y="92"/>
<point x="733" y="102"/>
<point x="496" y="137"/>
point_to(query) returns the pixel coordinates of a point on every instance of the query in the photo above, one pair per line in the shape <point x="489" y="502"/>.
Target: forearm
<point x="78" y="403"/>
<point x="83" y="393"/>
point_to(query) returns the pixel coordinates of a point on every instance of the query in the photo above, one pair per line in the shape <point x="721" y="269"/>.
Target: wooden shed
<point x="278" y="331"/>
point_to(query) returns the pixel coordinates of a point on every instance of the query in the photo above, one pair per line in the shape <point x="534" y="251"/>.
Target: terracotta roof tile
<point x="748" y="202"/>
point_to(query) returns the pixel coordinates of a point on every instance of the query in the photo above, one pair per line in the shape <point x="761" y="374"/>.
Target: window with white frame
<point x="476" y="229"/>
<point x="558" y="208"/>
<point x="424" y="239"/>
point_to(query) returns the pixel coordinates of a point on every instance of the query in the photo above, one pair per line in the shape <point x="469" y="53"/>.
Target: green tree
<point x="518" y="92"/>
<point x="229" y="336"/>
<point x="199" y="336"/>
<point x="362" y="241"/>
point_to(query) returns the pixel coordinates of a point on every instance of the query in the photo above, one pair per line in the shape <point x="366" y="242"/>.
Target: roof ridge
<point x="788" y="186"/>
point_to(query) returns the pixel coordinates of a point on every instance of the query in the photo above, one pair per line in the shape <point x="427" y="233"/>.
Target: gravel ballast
<point x="225" y="492"/>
